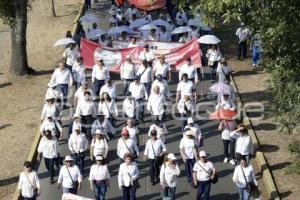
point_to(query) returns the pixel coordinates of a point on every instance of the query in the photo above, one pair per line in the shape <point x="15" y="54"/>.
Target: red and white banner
<point x="114" y="57"/>
<point x="148" y="4"/>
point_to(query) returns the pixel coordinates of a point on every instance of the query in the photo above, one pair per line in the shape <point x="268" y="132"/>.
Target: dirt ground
<point x="22" y="98"/>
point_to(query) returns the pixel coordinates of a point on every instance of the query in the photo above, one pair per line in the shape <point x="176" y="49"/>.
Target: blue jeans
<point x="203" y="187"/>
<point x="213" y="71"/>
<point x="126" y="83"/>
<point x="100" y="190"/>
<point x="141" y="109"/>
<point x="148" y="87"/>
<point x="243" y="194"/>
<point x="242" y="49"/>
<point x="98" y="85"/>
<point x="169" y="192"/>
<point x="255" y="54"/>
<point x="64" y="89"/>
<point x="189" y="168"/>
<point x="79" y="160"/>
<point x="183" y="121"/>
<point x="129" y="193"/>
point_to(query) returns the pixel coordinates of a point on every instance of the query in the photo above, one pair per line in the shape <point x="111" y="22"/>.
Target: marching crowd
<point x="146" y="89"/>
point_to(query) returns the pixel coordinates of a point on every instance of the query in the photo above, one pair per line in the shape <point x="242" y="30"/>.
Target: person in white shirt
<point x="244" y="146"/>
<point x="127" y="145"/>
<point x="130" y="107"/>
<point x="48" y="148"/>
<point x="127" y="73"/>
<point x="223" y="71"/>
<point x="29" y="184"/>
<point x="227" y="126"/>
<point x="99" y="145"/>
<point x="79" y="94"/>
<point x="53" y="125"/>
<point x="152" y="36"/>
<point x="124" y="37"/>
<point x="154" y="152"/>
<point x="78" y="72"/>
<point x="146" y="16"/>
<point x="99" y="178"/>
<point x="51" y="109"/>
<point x="204" y="172"/>
<point x="196" y="132"/>
<point x="234" y="135"/>
<point x="132" y="10"/>
<point x="104" y="125"/>
<point x="188" y="151"/>
<point x="147" y="54"/>
<point x="75" y="123"/>
<point x="139" y="93"/>
<point x="108" y="107"/>
<point x="169" y="172"/>
<point x="163" y="68"/>
<point x="226" y="103"/>
<point x="78" y="145"/>
<point x="185" y="87"/>
<point x="86" y="110"/>
<point x="62" y="77"/>
<point x="181" y="18"/>
<point x="69" y="176"/>
<point x="132" y="43"/>
<point x="195" y="32"/>
<point x="190" y="70"/>
<point x="243" y="175"/>
<point x="213" y="56"/>
<point x="55" y="91"/>
<point x="156" y="104"/>
<point x="185" y="37"/>
<point x="132" y="130"/>
<point x="161" y="130"/>
<point x="70" y="54"/>
<point x="186" y="108"/>
<point x="99" y="74"/>
<point x="242" y="34"/>
<point x="144" y="73"/>
<point x="162" y="84"/>
<point x="163" y="35"/>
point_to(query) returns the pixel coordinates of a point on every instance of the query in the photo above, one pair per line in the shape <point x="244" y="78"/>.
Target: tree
<point x="52" y="5"/>
<point x="278" y="24"/>
<point x="14" y="13"/>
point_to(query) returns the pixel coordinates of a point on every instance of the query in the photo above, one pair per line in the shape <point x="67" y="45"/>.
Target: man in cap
<point x="56" y="91"/>
<point x="79" y="94"/>
<point x="127" y="72"/>
<point x="75" y="123"/>
<point x="196" y="131"/>
<point x="189" y="69"/>
<point x="242" y="34"/>
<point x="126" y="145"/>
<point x="109" y="88"/>
<point x="52" y="125"/>
<point x="147" y="54"/>
<point x="70" y="55"/>
<point x="163" y="68"/>
<point x="99" y="74"/>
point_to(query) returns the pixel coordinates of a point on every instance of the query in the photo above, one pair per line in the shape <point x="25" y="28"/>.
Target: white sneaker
<point x="232" y="162"/>
<point x="225" y="160"/>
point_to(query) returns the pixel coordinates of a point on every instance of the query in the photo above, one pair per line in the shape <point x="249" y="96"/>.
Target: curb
<point x="270" y="186"/>
<point x="32" y="155"/>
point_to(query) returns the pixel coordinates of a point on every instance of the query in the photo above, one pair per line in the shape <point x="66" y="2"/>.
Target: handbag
<point x="159" y="159"/>
<point x="35" y="189"/>
<point x="134" y="154"/>
<point x="75" y="184"/>
<point x="210" y="63"/>
<point x="214" y="179"/>
<point x="135" y="182"/>
<point x="251" y="188"/>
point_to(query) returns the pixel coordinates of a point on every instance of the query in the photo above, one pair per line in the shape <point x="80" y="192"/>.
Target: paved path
<point x="223" y="190"/>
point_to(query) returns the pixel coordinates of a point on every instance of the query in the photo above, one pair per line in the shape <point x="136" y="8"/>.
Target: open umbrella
<point x="160" y="22"/>
<point x="119" y="29"/>
<point x="138" y="22"/>
<point x="209" y="39"/>
<point x="148" y="27"/>
<point x="96" y="33"/>
<point x="64" y="41"/>
<point x="220" y="114"/>
<point x="181" y="29"/>
<point x="89" y="18"/>
<point x="220" y="88"/>
<point x="194" y="22"/>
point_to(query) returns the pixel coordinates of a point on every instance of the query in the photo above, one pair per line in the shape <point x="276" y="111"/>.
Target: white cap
<point x="202" y="154"/>
<point x="190" y="120"/>
<point x="52" y="84"/>
<point x="100" y="157"/>
<point x="171" y="156"/>
<point x="189" y="132"/>
<point x="68" y="158"/>
<point x="50" y="96"/>
<point x="98" y="131"/>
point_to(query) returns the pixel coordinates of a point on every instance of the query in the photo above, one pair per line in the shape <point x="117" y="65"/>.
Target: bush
<point x="294" y="148"/>
<point x="293" y="168"/>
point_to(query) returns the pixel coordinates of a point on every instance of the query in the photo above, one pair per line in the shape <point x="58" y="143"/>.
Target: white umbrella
<point x="64" y="41"/>
<point x="209" y="39"/>
<point x="89" y="18"/>
<point x="194" y="22"/>
<point x="138" y="22"/>
<point x="148" y="27"/>
<point x="94" y="34"/>
<point x="160" y="22"/>
<point x="119" y="29"/>
<point x="181" y="29"/>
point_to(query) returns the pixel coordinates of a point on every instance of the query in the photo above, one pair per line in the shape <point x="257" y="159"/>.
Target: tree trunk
<point x="53" y="14"/>
<point x="19" y="63"/>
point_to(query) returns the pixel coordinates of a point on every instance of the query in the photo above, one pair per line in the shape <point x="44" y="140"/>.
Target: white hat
<point x="100" y="157"/>
<point x="128" y="57"/>
<point x="202" y="154"/>
<point x="98" y="131"/>
<point x="50" y="96"/>
<point x="49" y="115"/>
<point x="68" y="158"/>
<point x="84" y="82"/>
<point x="171" y="156"/>
<point x="52" y="84"/>
<point x="189" y="132"/>
<point x="190" y="120"/>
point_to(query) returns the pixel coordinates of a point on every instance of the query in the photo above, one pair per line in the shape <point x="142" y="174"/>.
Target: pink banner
<point x="113" y="58"/>
<point x="148" y="4"/>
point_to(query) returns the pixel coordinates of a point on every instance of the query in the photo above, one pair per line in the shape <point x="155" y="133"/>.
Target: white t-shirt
<point x="185" y="88"/>
<point x="100" y="146"/>
<point x="99" y="173"/>
<point x="188" y="147"/>
<point x="202" y="175"/>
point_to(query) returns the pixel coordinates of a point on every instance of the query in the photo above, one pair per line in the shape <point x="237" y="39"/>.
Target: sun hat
<point x="99" y="157"/>
<point x="171" y="156"/>
<point x="68" y="158"/>
<point x="190" y="120"/>
<point x="202" y="154"/>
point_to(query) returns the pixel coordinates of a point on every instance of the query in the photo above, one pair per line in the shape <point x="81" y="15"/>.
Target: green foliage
<point x="293" y="168"/>
<point x="8" y="10"/>
<point x="278" y="23"/>
<point x="294" y="148"/>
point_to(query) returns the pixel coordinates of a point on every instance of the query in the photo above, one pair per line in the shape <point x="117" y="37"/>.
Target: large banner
<point x="148" y="4"/>
<point x="114" y="57"/>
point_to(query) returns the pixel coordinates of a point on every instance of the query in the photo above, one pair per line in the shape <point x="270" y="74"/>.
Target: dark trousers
<point x="86" y="122"/>
<point x="49" y="163"/>
<point x="154" y="170"/>
<point x="126" y="84"/>
<point x="242" y="49"/>
<point x="79" y="160"/>
<point x="27" y="198"/>
<point x="189" y="169"/>
<point x="183" y="121"/>
<point x="87" y="4"/>
<point x="226" y="147"/>
<point x="98" y="85"/>
<point x="203" y="188"/>
<point x="141" y="109"/>
<point x="129" y="193"/>
<point x="148" y="87"/>
<point x="213" y="71"/>
<point x="70" y="190"/>
<point x="232" y="148"/>
<point x="100" y="190"/>
<point x="64" y="89"/>
<point x="170" y="192"/>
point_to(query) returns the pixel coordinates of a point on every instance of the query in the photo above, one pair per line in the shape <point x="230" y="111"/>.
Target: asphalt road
<point x="223" y="190"/>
